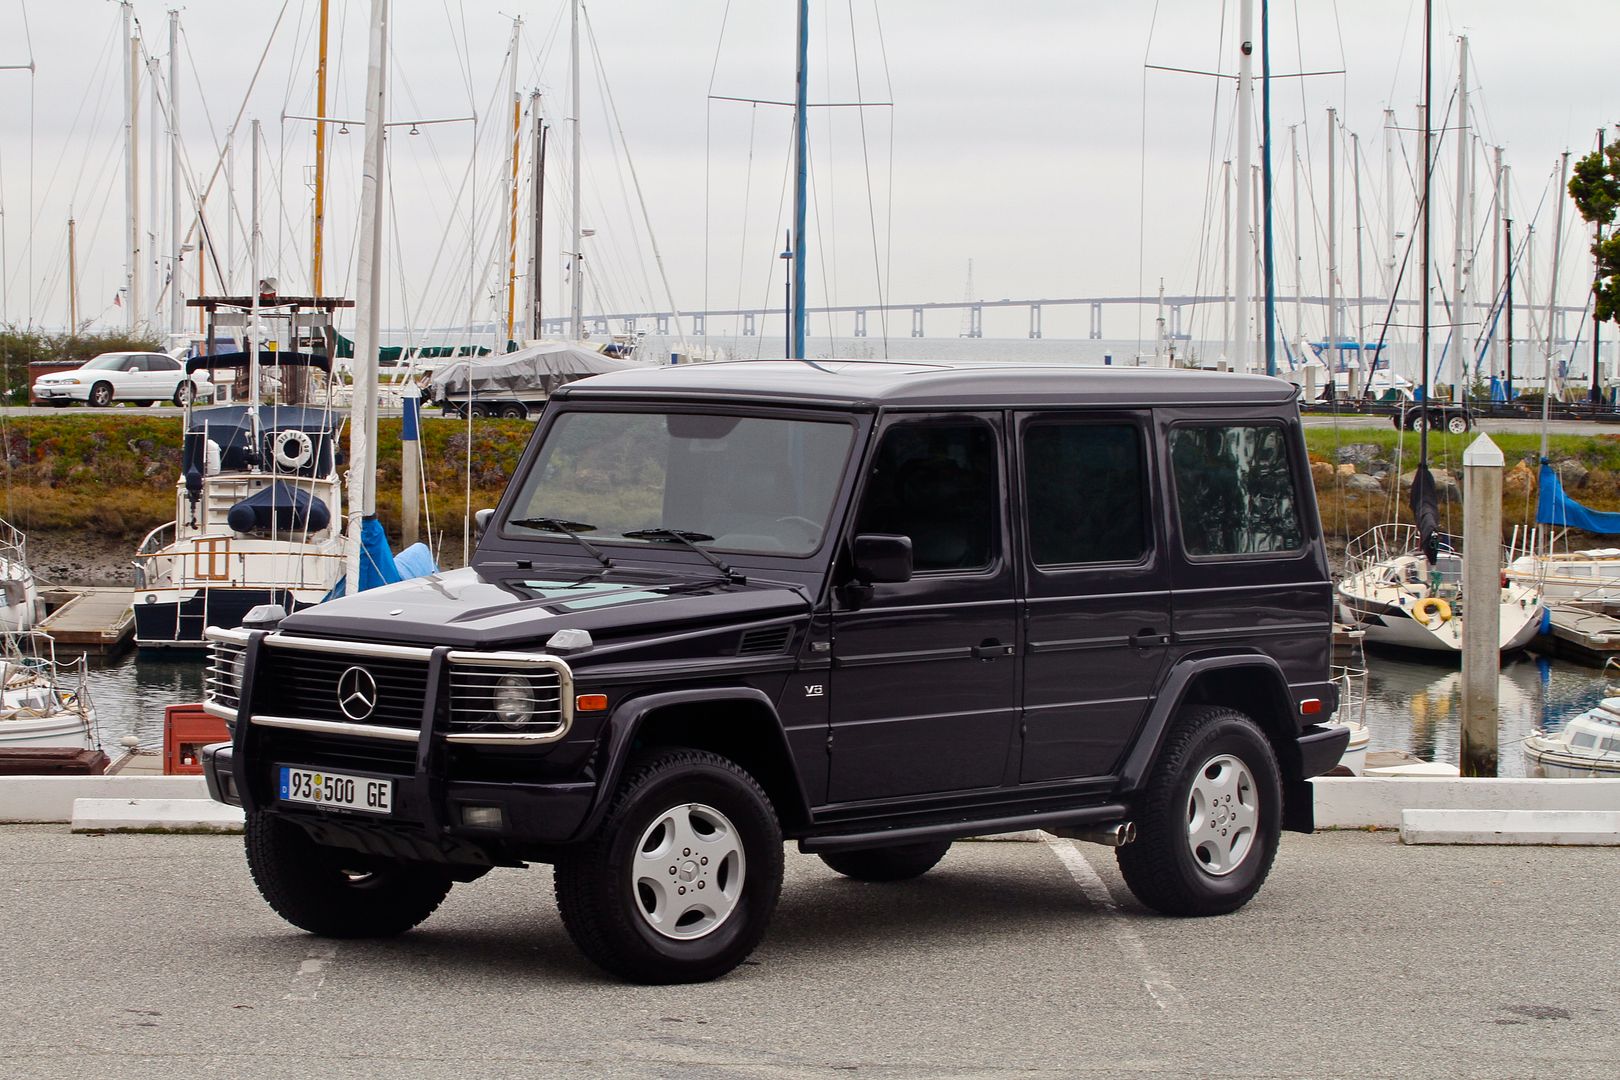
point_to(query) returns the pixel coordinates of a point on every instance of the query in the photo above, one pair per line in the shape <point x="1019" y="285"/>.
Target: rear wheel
<point x="1211" y="818"/>
<point x="679" y="882"/>
<point x="1457" y="424"/>
<point x="336" y="893"/>
<point x="514" y="411"/>
<point x="898" y="863"/>
<point x="101" y="395"/>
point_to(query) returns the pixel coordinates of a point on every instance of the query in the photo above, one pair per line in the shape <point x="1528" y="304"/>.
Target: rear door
<point x="1098" y="615"/>
<point x="924" y="672"/>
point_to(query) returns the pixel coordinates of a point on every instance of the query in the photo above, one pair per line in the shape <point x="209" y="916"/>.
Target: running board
<point x="1109" y="813"/>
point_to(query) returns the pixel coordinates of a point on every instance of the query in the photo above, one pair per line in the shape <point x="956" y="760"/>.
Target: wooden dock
<point x="90" y="619"/>
<point x="1586" y="637"/>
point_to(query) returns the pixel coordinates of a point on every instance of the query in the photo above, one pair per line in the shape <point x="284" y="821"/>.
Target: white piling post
<point x="1481" y="590"/>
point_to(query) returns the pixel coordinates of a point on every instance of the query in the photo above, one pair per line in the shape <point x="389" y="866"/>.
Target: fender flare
<point x="1139" y="764"/>
<point x="627" y="719"/>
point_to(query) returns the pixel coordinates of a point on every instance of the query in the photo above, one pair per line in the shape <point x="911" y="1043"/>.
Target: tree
<point x="1595" y="187"/>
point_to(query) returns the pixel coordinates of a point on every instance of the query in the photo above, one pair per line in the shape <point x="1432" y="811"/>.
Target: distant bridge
<point x="662" y="322"/>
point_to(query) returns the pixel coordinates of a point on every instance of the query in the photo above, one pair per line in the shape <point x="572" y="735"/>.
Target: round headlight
<point x="514" y="700"/>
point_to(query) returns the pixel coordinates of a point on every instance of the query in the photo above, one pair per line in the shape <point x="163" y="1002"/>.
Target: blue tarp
<point x="1498" y="389"/>
<point x="380" y="566"/>
<point x="1553" y="507"/>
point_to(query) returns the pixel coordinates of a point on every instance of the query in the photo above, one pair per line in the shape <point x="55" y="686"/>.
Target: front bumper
<point x="528" y="797"/>
<point x="61" y="392"/>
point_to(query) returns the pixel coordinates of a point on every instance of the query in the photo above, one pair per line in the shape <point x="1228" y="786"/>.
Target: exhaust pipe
<point x="1109" y="836"/>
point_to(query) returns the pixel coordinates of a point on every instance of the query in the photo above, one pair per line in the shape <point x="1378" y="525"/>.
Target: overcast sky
<point x="1026" y="136"/>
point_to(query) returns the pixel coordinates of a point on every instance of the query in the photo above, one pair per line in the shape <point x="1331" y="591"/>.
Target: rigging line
<point x="720" y="40"/>
<point x="1209" y="178"/>
<point x="888" y="205"/>
<point x="821" y="243"/>
<point x="781" y="205"/>
<point x="463" y="58"/>
<point x="1141" y="181"/>
<point x="871" y="208"/>
<point x="635" y="180"/>
<point x="829" y="245"/>
<point x="748" y="188"/>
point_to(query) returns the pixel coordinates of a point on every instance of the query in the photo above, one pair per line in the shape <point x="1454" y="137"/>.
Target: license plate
<point x="317" y="787"/>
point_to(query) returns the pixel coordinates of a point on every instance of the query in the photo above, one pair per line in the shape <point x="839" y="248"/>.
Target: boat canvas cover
<point x="1554" y="507"/>
<point x="231" y="427"/>
<point x="538" y="368"/>
<point x="280" y="507"/>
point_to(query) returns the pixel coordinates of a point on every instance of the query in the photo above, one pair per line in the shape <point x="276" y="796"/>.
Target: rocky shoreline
<point x="77" y="558"/>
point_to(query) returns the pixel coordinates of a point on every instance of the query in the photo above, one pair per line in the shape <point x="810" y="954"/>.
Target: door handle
<point x="989" y="650"/>
<point x="1147" y="638"/>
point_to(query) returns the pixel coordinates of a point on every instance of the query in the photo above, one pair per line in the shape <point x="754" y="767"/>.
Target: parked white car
<point x="141" y="377"/>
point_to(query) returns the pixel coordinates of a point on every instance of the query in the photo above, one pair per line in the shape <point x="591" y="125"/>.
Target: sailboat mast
<point x="801" y="167"/>
<point x="577" y="282"/>
<point x="1390" y="136"/>
<point x="537" y="210"/>
<point x="1463" y="242"/>
<point x="1269" y="307"/>
<point x="1245" y="238"/>
<point x="368" y="299"/>
<point x="1552" y="292"/>
<point x="1226" y="258"/>
<point x="133" y="268"/>
<point x="1597" y="367"/>
<point x="318" y="238"/>
<point x="177" y="301"/>
<point x="1333" y="242"/>
<point x="515" y="155"/>
<point x="1423" y="226"/>
<point x="1361" y="281"/>
<point x="1498" y="215"/>
<point x="73" y="281"/>
<point x="251" y="338"/>
<point x="1299" y="248"/>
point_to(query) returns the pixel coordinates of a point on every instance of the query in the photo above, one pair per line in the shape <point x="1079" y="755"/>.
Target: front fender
<point x="628" y="718"/>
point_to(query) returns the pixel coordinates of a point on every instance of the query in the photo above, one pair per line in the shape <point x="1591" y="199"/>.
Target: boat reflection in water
<point x="1413" y="708"/>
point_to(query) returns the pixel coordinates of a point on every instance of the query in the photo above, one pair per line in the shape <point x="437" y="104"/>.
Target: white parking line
<point x="311" y="975"/>
<point x="1131" y="946"/>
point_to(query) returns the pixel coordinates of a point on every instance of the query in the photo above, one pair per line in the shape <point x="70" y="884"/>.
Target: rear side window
<point x="1234" y="490"/>
<point x="1086" y="490"/>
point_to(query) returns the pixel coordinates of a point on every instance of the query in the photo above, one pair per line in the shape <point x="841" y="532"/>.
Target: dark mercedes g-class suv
<point x="870" y="607"/>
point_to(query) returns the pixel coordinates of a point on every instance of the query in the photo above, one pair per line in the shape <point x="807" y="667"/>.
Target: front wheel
<point x="185" y="392"/>
<point x="680" y="880"/>
<point x="901" y="862"/>
<point x="1211" y="818"/>
<point x="336" y="893"/>
<point x="101" y="395"/>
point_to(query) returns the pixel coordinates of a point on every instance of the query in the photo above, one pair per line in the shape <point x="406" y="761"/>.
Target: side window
<point x="1234" y="490"/>
<point x="1087" y="497"/>
<point x="133" y="363"/>
<point x="936" y="483"/>
<point x="162" y="363"/>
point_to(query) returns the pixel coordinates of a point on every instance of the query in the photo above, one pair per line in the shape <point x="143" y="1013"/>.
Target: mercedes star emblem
<point x="357" y="693"/>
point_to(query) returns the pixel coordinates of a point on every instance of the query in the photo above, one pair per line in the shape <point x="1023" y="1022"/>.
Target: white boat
<point x="42" y="702"/>
<point x="1589" y="576"/>
<point x="259" y="520"/>
<point x="1352" y="711"/>
<point x="1390" y="591"/>
<point x="1588" y="745"/>
<point x="20" y="605"/>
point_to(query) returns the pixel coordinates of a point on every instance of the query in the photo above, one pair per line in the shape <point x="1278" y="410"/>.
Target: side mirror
<point x="481" y="522"/>
<point x="880" y="559"/>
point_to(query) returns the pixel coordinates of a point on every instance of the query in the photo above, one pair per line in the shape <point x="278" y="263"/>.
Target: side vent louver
<point x="770" y="639"/>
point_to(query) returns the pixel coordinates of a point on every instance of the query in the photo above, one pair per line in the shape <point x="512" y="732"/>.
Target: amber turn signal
<point x="590" y="703"/>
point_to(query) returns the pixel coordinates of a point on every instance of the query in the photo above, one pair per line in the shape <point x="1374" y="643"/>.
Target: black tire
<point x="145" y="403"/>
<point x="186" y="391"/>
<point x="1457" y="424"/>
<point x="514" y="411"/>
<point x="336" y="893"/>
<point x="901" y="862"/>
<point x="101" y="395"/>
<point x="1164" y="867"/>
<point x="605" y="911"/>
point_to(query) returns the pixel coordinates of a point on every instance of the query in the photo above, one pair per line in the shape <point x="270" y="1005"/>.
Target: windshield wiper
<point x="690" y="539"/>
<point x="570" y="529"/>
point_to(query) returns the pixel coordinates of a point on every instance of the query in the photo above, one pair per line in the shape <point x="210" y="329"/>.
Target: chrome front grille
<point x="312" y="685"/>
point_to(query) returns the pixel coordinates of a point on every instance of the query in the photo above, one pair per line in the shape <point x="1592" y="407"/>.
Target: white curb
<point x="51" y="798"/>
<point x="1591" y="828"/>
<point x="155" y="815"/>
<point x="1352" y="802"/>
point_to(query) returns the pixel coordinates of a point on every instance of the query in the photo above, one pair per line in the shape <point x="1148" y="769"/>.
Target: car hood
<point x="480" y="607"/>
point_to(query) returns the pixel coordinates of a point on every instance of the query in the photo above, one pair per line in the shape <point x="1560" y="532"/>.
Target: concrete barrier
<point x="1351" y="802"/>
<point x="1565" y="828"/>
<point x="155" y="815"/>
<point x="50" y="798"/>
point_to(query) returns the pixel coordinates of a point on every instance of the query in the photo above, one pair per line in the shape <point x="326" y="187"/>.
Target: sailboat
<point x="1403" y="582"/>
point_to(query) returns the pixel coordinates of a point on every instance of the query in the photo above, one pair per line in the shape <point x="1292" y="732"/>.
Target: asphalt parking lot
<point x="152" y="956"/>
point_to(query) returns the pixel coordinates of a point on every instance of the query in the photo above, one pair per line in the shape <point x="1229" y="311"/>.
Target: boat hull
<point x="176" y="619"/>
<point x="60" y="729"/>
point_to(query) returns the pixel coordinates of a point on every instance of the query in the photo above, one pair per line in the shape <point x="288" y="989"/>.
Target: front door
<point x="924" y="676"/>
<point x="1099" y="603"/>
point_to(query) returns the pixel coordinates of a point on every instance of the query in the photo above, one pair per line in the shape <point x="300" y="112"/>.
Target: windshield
<point x="112" y="361"/>
<point x="729" y="482"/>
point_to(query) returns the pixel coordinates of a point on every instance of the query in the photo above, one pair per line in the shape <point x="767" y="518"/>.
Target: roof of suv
<point x="898" y="384"/>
